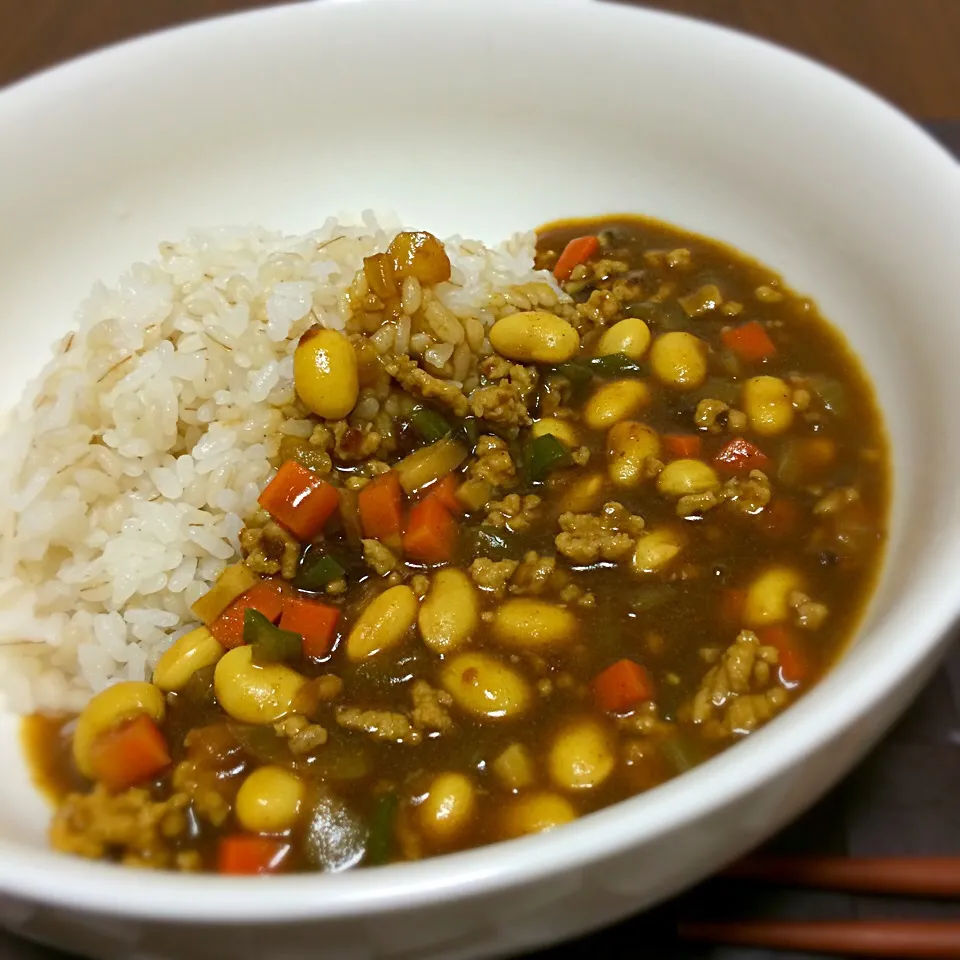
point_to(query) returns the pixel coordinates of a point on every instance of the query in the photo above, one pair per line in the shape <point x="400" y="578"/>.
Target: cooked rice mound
<point x="132" y="460"/>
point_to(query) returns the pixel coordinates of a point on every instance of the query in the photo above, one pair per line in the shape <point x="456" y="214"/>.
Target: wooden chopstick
<point x="906" y="876"/>
<point x="904" y="939"/>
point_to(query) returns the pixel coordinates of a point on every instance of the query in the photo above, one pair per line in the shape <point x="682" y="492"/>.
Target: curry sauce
<point x="643" y="522"/>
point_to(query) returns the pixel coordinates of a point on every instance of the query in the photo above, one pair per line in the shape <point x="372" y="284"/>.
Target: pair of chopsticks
<point x="934" y="877"/>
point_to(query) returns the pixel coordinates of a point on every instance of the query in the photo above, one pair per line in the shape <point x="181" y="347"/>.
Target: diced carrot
<point x="792" y="664"/>
<point x="681" y="445"/>
<point x="622" y="686"/>
<point x="737" y="457"/>
<point x="316" y="622"/>
<point x="731" y="606"/>
<point x="266" y="597"/>
<point x="381" y="508"/>
<point x="577" y="251"/>
<point x="749" y="342"/>
<point x="779" y="518"/>
<point x="299" y="500"/>
<point x="249" y="855"/>
<point x="132" y="753"/>
<point x="445" y="490"/>
<point x="431" y="532"/>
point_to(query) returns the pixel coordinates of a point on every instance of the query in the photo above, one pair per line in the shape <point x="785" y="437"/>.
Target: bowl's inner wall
<point x="475" y="140"/>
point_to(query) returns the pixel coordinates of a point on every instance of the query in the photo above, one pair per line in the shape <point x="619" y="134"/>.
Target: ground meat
<point x="302" y="736"/>
<point x="601" y="308"/>
<point x="421" y="384"/>
<point x="525" y="379"/>
<point x="379" y="557"/>
<point x="606" y="267"/>
<point x="748" y="494"/>
<point x="516" y="513"/>
<point x="500" y="403"/>
<point x="505" y="397"/>
<point x="322" y="437"/>
<point x="810" y="615"/>
<point x="534" y="575"/>
<point x="313" y="453"/>
<point x="208" y="771"/>
<point x="270" y="550"/>
<point x="610" y="535"/>
<point x="204" y="791"/>
<point x="430" y="708"/>
<point x="645" y="721"/>
<point x="130" y="826"/>
<point x="711" y="415"/>
<point x="735" y="696"/>
<point x="836" y="500"/>
<point x="553" y="396"/>
<point x="492" y="575"/>
<point x="336" y="588"/>
<point x="736" y="421"/>
<point x="746" y="713"/>
<point x="258" y="518"/>
<point x="493" y="463"/>
<point x="697" y="504"/>
<point x="380" y="724"/>
<point x="571" y="593"/>
<point x="420" y="585"/>
<point x="352" y="444"/>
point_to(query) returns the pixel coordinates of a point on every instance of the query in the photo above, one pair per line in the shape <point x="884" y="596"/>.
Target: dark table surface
<point x="904" y="49"/>
<point x="903" y="798"/>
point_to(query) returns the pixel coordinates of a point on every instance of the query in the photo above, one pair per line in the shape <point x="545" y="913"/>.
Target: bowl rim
<point x="98" y="888"/>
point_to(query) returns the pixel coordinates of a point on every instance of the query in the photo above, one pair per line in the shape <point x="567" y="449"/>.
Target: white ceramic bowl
<point x="485" y="116"/>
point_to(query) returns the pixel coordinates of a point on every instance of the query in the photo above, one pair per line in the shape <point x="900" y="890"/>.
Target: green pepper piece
<point x="270" y="644"/>
<point x="642" y="309"/>
<point x="831" y="393"/>
<point x="542" y="455"/>
<point x="493" y="542"/>
<point x="615" y="365"/>
<point x="380" y="837"/>
<point x="576" y="371"/>
<point x="199" y="688"/>
<point x="316" y="570"/>
<point x="664" y="316"/>
<point x="718" y="388"/>
<point x="468" y="431"/>
<point x="429" y="424"/>
<point x="580" y="372"/>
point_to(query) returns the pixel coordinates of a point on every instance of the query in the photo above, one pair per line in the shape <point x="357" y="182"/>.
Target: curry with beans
<point x="644" y="523"/>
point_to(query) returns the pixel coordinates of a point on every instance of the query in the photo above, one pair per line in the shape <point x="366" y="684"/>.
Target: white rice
<point x="131" y="461"/>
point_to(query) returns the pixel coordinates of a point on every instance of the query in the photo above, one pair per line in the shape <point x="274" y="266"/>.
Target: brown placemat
<point x="902" y="800"/>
